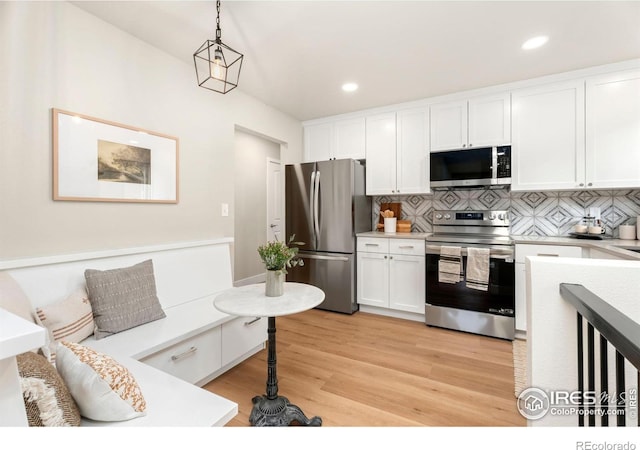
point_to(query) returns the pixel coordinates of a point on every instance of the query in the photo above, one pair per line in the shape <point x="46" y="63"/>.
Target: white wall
<point x="551" y="320"/>
<point x="55" y="55"/>
<point x="251" y="153"/>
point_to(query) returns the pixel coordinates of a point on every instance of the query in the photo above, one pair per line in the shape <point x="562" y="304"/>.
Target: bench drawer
<point x="241" y="335"/>
<point x="192" y="359"/>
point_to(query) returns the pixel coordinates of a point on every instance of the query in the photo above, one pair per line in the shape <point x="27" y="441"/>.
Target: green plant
<point x="276" y="255"/>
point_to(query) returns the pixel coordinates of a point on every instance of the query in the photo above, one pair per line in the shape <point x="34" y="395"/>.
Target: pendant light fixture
<point x="217" y="65"/>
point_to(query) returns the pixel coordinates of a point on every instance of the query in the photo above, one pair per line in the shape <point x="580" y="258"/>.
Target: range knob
<point x="492" y="216"/>
<point x="501" y="216"/>
<point x="447" y="216"/>
<point x="438" y="216"/>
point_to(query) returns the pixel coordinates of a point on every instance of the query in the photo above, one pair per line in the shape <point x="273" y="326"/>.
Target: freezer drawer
<point x="334" y="274"/>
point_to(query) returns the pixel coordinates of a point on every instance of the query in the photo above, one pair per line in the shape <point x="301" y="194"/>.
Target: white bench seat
<point x="170" y="357"/>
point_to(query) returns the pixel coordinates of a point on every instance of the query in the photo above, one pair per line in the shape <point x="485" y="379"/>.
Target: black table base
<point x="273" y="410"/>
<point x="278" y="412"/>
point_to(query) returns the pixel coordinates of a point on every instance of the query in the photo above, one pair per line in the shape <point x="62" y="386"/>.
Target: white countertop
<point x="381" y="234"/>
<point x="615" y="247"/>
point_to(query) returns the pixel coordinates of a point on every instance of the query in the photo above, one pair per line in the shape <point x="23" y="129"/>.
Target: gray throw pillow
<point x="122" y="298"/>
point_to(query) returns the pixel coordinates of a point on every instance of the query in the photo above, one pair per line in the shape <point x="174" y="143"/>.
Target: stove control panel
<point x="488" y="218"/>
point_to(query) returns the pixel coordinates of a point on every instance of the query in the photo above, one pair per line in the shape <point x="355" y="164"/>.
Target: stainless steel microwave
<point x="482" y="166"/>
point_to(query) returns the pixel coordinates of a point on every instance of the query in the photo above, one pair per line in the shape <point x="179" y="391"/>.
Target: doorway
<point x="256" y="202"/>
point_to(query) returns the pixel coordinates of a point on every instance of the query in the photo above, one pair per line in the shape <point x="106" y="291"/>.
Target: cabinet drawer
<point x="373" y="245"/>
<point x="241" y="335"/>
<point x="192" y="359"/>
<point x="406" y="247"/>
<point x="565" y="251"/>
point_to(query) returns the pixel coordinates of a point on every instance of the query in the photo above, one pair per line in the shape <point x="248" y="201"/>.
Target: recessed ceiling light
<point x="349" y="87"/>
<point x="535" y="42"/>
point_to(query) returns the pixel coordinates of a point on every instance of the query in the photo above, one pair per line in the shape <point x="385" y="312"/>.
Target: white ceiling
<point x="299" y="53"/>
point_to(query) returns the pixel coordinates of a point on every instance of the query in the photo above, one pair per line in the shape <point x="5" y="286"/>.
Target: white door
<point x="381" y="154"/>
<point x="490" y="120"/>
<point x="274" y="200"/>
<point x="449" y="126"/>
<point x="548" y="137"/>
<point x="373" y="279"/>
<point x="413" y="151"/>
<point x="613" y="130"/>
<point x="407" y="283"/>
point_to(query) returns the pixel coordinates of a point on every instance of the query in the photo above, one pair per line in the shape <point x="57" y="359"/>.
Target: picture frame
<point x="96" y="160"/>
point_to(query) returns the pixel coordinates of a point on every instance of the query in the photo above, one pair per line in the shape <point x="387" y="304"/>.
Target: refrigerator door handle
<point x="323" y="257"/>
<point x="311" y="198"/>
<point x="316" y="222"/>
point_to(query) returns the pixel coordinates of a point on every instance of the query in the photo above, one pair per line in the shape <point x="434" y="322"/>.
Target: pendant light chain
<point x="218" y="30"/>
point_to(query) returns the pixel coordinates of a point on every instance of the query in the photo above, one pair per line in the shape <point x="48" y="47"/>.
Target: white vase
<point x="274" y="286"/>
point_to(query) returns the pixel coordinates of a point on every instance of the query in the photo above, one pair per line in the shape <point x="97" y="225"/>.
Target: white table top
<point x="246" y="301"/>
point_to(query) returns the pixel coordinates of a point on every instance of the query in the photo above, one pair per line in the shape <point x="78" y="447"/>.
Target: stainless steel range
<point x="455" y="305"/>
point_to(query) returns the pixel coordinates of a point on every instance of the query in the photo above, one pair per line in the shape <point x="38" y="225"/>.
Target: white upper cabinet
<point x="548" y="137"/>
<point x="477" y="122"/>
<point x="381" y="154"/>
<point x="613" y="130"/>
<point x="580" y="134"/>
<point x="318" y="142"/>
<point x="398" y="152"/>
<point x="339" y="139"/>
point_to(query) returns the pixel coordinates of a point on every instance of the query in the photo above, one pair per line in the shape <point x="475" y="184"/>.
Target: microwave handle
<point x="494" y="162"/>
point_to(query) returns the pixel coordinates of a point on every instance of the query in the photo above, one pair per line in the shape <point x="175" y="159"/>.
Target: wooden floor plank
<point x="370" y="370"/>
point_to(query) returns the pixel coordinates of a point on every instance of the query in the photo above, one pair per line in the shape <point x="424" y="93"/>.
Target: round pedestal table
<point x="272" y="409"/>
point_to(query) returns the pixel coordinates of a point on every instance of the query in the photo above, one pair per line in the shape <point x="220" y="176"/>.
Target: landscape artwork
<point x="123" y="163"/>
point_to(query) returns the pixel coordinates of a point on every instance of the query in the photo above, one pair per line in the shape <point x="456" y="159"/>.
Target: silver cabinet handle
<point x="406" y="246"/>
<point x="191" y="351"/>
<point x="252" y="321"/>
<point x="547" y="254"/>
<point x="371" y="245"/>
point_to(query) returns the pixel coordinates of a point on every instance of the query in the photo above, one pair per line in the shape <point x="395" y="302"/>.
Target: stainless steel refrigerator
<point x="325" y="206"/>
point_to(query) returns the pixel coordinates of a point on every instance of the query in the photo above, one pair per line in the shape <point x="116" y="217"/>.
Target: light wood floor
<point x="371" y="370"/>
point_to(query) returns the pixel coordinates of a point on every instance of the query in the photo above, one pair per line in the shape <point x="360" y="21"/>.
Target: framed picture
<point x="100" y="161"/>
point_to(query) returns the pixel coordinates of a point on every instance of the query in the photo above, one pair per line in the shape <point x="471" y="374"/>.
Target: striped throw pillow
<point x="68" y="320"/>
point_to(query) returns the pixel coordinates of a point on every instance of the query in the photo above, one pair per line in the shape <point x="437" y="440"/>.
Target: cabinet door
<point x="349" y="139"/>
<point x="613" y="130"/>
<point x="407" y="283"/>
<point x="548" y="137"/>
<point x="449" y="126"/>
<point x="373" y="279"/>
<point x="412" y="154"/>
<point x="381" y="154"/>
<point x="318" y="140"/>
<point x="490" y="121"/>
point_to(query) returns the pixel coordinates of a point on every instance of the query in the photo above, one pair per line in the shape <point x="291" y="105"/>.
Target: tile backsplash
<point x="550" y="213"/>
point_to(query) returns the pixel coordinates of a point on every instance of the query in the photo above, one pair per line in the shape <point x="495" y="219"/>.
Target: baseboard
<point x="392" y="313"/>
<point x="251" y="280"/>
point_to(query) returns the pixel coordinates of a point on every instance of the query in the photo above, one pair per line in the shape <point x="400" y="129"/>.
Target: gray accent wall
<point x="551" y="213"/>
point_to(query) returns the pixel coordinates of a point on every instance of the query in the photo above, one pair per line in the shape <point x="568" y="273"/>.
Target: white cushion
<point x="69" y="320"/>
<point x="103" y="389"/>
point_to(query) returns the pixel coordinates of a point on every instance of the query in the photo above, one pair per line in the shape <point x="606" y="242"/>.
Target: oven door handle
<point x="493" y="254"/>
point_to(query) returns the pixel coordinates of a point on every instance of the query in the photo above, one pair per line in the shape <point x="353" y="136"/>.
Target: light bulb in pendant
<point x="218" y="69"/>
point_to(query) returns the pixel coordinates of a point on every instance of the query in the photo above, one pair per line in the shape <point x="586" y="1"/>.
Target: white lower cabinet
<point x="524" y="250"/>
<point x="391" y="273"/>
<point x="242" y="335"/>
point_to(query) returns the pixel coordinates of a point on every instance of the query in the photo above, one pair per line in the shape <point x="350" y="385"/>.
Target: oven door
<point x="498" y="299"/>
